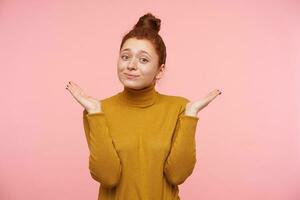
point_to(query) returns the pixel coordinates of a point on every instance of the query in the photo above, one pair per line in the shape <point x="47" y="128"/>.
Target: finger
<point x="212" y="93"/>
<point x="77" y="91"/>
<point x="74" y="89"/>
<point x="218" y="92"/>
<point x="73" y="84"/>
<point x="80" y="90"/>
<point x="74" y="93"/>
<point x="211" y="97"/>
<point x="215" y="93"/>
<point x="69" y="88"/>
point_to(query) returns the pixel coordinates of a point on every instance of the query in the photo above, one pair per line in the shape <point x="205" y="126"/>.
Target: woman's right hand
<point x="91" y="104"/>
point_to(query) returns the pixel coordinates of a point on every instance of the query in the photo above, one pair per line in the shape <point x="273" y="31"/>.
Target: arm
<point x="104" y="162"/>
<point x="182" y="157"/>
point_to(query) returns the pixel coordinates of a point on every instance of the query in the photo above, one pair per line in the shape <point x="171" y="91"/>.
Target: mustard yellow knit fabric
<point x="142" y="145"/>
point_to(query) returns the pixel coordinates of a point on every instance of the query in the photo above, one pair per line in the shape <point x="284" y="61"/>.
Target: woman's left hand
<point x="192" y="108"/>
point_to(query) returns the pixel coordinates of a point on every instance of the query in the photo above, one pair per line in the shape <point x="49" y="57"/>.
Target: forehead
<point x="137" y="45"/>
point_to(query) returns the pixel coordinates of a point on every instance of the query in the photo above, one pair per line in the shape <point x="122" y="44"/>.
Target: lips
<point x="131" y="75"/>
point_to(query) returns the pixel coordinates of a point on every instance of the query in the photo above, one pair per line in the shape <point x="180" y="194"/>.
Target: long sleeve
<point x="182" y="157"/>
<point x="104" y="162"/>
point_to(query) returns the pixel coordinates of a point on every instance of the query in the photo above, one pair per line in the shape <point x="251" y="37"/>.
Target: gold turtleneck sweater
<point x="142" y="145"/>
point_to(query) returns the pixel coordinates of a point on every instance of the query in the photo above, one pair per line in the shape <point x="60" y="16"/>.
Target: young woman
<point x="141" y="142"/>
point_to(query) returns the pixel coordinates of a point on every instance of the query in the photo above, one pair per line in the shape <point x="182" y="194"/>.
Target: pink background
<point x="248" y="143"/>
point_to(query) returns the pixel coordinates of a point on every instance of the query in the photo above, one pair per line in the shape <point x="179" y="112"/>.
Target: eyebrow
<point x="143" y="51"/>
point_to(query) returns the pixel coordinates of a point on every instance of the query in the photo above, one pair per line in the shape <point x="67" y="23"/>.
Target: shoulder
<point x="108" y="99"/>
<point x="174" y="102"/>
<point x="174" y="99"/>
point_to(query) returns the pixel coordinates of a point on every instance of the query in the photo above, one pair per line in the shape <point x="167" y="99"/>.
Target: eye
<point x="124" y="56"/>
<point x="144" y="60"/>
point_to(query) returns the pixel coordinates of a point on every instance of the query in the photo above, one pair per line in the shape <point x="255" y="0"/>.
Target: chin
<point x="129" y="83"/>
<point x="133" y="85"/>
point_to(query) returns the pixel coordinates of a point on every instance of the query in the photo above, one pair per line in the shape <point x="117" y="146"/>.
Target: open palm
<point x="192" y="108"/>
<point x="89" y="103"/>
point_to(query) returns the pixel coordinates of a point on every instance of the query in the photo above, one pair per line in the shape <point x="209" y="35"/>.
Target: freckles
<point x="122" y="66"/>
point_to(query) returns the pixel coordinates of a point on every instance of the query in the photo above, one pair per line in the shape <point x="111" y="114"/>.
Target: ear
<point x="160" y="71"/>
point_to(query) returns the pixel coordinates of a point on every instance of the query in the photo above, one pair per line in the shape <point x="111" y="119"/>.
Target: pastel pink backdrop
<point x="247" y="138"/>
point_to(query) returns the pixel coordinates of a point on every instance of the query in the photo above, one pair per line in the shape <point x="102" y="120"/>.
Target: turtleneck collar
<point x="139" y="97"/>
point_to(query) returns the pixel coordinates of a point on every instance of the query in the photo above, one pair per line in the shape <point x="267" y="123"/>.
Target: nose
<point x="132" y="64"/>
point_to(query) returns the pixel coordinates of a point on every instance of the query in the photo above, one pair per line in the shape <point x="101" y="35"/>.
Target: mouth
<point x="130" y="76"/>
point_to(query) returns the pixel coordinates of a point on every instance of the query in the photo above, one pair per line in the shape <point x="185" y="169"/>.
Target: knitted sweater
<point x="142" y="145"/>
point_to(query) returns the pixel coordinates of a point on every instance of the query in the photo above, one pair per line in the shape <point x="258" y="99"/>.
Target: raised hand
<point x="192" y="108"/>
<point x="91" y="104"/>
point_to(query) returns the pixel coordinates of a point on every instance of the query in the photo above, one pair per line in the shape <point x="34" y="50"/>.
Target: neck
<point x="144" y="97"/>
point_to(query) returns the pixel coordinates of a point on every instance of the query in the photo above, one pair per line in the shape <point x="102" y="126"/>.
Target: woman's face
<point x="139" y="59"/>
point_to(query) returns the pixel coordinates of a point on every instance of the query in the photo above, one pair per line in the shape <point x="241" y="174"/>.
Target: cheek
<point x="121" y="65"/>
<point x="147" y="71"/>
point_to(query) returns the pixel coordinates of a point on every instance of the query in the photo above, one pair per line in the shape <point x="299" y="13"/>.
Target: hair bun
<point x="148" y="21"/>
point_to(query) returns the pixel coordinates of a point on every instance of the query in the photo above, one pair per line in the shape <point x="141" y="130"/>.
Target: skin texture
<point x="133" y="61"/>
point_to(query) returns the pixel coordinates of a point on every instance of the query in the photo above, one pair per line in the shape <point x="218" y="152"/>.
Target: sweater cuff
<point x="190" y="117"/>
<point x="95" y="118"/>
<point x="189" y="123"/>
